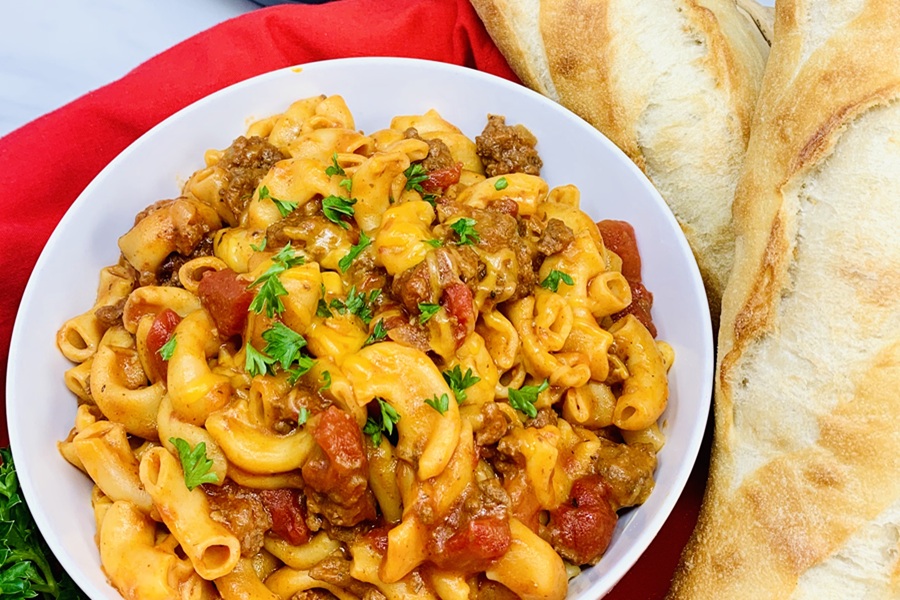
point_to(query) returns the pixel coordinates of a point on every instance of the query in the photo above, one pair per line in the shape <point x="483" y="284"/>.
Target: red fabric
<point x="47" y="163"/>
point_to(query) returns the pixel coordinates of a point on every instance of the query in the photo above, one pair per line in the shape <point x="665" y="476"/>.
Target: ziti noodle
<point x="387" y="365"/>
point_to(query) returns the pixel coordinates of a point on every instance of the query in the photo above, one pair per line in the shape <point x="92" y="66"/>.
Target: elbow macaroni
<point x="474" y="391"/>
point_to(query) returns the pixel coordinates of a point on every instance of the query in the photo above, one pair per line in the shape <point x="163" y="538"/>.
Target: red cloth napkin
<point x="47" y="163"/>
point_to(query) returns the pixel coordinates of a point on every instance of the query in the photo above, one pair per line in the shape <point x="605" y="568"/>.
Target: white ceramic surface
<point x="41" y="409"/>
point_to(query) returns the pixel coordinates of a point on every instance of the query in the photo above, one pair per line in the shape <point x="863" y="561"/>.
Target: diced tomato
<point x="225" y="295"/>
<point x="457" y="299"/>
<point x="473" y="546"/>
<point x="619" y="237"/>
<point x="159" y="334"/>
<point x="440" y="179"/>
<point x="288" y="520"/>
<point x="582" y="528"/>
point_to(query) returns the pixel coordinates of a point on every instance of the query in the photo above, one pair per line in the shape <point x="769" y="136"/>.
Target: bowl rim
<point x="650" y="529"/>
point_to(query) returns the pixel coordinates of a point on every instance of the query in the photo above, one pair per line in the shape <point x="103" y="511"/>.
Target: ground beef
<point x="167" y="274"/>
<point x="111" y="314"/>
<point x="628" y="471"/>
<point x="246" y="161"/>
<point x="507" y="148"/>
<point x="439" y="156"/>
<point x="556" y="236"/>
<point x="242" y="512"/>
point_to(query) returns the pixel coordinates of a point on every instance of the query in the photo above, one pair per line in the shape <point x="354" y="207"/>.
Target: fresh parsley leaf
<point x="439" y="404"/>
<point x="459" y="382"/>
<point x="465" y="229"/>
<point x="285" y="207"/>
<point x="261" y="247"/>
<point x="326" y="381"/>
<point x="523" y="399"/>
<point x="287" y="258"/>
<point x="501" y="184"/>
<point x="168" y="349"/>
<point x="389" y="416"/>
<point x="322" y="309"/>
<point x="551" y="282"/>
<point x="355" y="251"/>
<point x="426" y="311"/>
<point x="347" y="184"/>
<point x="356" y="304"/>
<point x="194" y="463"/>
<point x="283" y="344"/>
<point x="434" y="243"/>
<point x="302" y="415"/>
<point x="335" y="207"/>
<point x="304" y="364"/>
<point x="255" y="362"/>
<point x="268" y="297"/>
<point x="378" y="333"/>
<point x="335" y="168"/>
<point x="27" y="567"/>
<point x="415" y="175"/>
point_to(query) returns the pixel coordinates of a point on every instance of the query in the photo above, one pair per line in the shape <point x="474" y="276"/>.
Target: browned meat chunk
<point x="628" y="471"/>
<point x="556" y="236"/>
<point x="507" y="148"/>
<point x="242" y="512"/>
<point x="247" y="160"/>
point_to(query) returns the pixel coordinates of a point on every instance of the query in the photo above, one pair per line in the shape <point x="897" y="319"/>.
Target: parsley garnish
<point x="285" y="207"/>
<point x="168" y="349"/>
<point x="194" y="463"/>
<point x="523" y="399"/>
<point x="551" y="282"/>
<point x="459" y="382"/>
<point x="356" y="304"/>
<point x="389" y="416"/>
<point x="355" y="251"/>
<point x="261" y="247"/>
<point x="426" y="311"/>
<point x="378" y="333"/>
<point x="255" y="362"/>
<point x="465" y="229"/>
<point x="302" y="415"/>
<point x="268" y="297"/>
<point x="439" y="404"/>
<point x="434" y="243"/>
<point x="334" y="207"/>
<point x="415" y="175"/>
<point x="283" y="347"/>
<point x="27" y="566"/>
<point x="322" y="309"/>
<point x="501" y="184"/>
<point x="336" y="169"/>
<point x="326" y="381"/>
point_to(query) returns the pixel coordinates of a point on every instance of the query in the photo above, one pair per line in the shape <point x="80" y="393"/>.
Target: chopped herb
<point x="304" y="364"/>
<point x="356" y="304"/>
<point x="335" y="207"/>
<point x="268" y="297"/>
<point x="465" y="229"/>
<point x="551" y="282"/>
<point x="439" y="404"/>
<point x="322" y="309"/>
<point x="283" y="344"/>
<point x="255" y="363"/>
<point x="355" y="251"/>
<point x="168" y="349"/>
<point x="459" y="382"/>
<point x="194" y="463"/>
<point x="335" y="168"/>
<point x="285" y="207"/>
<point x="501" y="184"/>
<point x="389" y="416"/>
<point x="378" y="333"/>
<point x="434" y="243"/>
<point x="426" y="311"/>
<point x="260" y="247"/>
<point x="523" y="399"/>
<point x="415" y="175"/>
<point x="326" y="381"/>
<point x="302" y="415"/>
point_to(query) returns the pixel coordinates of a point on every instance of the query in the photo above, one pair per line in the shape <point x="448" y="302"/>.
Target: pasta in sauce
<point x="348" y="365"/>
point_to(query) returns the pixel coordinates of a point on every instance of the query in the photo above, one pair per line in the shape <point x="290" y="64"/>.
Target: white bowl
<point x="41" y="410"/>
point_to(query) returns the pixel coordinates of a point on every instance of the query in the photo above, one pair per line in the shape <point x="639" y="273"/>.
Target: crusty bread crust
<point x="673" y="83"/>
<point x="804" y="493"/>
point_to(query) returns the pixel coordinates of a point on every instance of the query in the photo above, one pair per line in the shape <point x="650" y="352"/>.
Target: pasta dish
<point x="373" y="366"/>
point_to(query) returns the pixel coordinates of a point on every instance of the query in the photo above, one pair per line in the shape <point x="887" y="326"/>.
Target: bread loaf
<point x="804" y="492"/>
<point x="672" y="82"/>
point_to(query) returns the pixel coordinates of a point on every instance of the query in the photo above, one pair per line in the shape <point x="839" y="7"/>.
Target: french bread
<point x="803" y="499"/>
<point x="672" y="82"/>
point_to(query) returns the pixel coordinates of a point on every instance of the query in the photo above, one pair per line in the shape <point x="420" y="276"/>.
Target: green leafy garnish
<point x="27" y="567"/>
<point x="465" y="229"/>
<point x="356" y="304"/>
<point x="434" y="243"/>
<point x="168" y="349"/>
<point x="283" y="347"/>
<point x="501" y="184"/>
<point x="459" y="382"/>
<point x="285" y="207"/>
<point x="255" y="362"/>
<point x="523" y="399"/>
<point x="335" y="207"/>
<point x="355" y="251"/>
<point x="326" y="381"/>
<point x="261" y="247"/>
<point x="551" y="282"/>
<point x="268" y="297"/>
<point x="378" y="333"/>
<point x="439" y="404"/>
<point x="336" y="169"/>
<point x="426" y="311"/>
<point x="415" y="175"/>
<point x="302" y="415"/>
<point x="389" y="416"/>
<point x="194" y="463"/>
<point x="322" y="309"/>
